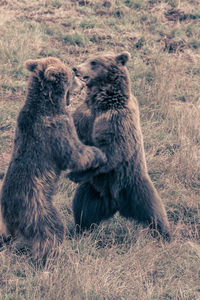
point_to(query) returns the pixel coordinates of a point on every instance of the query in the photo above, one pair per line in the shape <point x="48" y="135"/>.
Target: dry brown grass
<point x="119" y="260"/>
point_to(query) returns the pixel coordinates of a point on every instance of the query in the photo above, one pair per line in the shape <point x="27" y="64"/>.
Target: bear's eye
<point x="93" y="63"/>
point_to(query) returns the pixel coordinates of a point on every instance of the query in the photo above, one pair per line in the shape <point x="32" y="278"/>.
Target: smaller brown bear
<point x="45" y="143"/>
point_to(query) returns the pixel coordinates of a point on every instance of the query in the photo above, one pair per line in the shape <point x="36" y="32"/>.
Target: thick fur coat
<point x="45" y="143"/>
<point x="109" y="119"/>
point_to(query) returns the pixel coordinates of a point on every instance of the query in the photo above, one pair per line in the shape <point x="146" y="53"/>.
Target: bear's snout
<point x="75" y="71"/>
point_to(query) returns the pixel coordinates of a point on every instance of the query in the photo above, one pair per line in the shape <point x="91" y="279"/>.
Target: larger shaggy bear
<point x="46" y="143"/>
<point x="109" y="120"/>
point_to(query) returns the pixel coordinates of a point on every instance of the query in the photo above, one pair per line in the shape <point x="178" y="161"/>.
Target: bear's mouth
<point x="68" y="98"/>
<point x="79" y="75"/>
<point x="85" y="78"/>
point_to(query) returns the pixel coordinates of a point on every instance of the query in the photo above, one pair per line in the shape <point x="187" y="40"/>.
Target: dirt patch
<point x="172" y="46"/>
<point x="178" y="15"/>
<point x="98" y="36"/>
<point x="103" y="13"/>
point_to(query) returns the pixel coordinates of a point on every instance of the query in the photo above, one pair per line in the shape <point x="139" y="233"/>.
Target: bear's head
<point x="52" y="77"/>
<point x="106" y="78"/>
<point x="102" y="67"/>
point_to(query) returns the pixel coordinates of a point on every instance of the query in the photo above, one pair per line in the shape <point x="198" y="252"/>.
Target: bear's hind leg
<point x="89" y="207"/>
<point x="143" y="203"/>
<point x="5" y="236"/>
<point x="42" y="233"/>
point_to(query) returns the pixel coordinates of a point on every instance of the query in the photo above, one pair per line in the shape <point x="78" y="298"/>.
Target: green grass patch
<point x="76" y="39"/>
<point x="19" y="42"/>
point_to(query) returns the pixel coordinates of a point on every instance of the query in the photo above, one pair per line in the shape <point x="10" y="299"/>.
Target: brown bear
<point x="45" y="143"/>
<point x="109" y="119"/>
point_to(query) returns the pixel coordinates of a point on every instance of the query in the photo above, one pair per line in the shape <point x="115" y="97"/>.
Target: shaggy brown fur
<point x="109" y="119"/>
<point x="46" y="142"/>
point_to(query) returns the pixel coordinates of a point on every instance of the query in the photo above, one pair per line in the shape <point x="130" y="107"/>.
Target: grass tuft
<point x="119" y="259"/>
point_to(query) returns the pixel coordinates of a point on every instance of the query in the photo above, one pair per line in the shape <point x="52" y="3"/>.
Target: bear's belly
<point x="110" y="184"/>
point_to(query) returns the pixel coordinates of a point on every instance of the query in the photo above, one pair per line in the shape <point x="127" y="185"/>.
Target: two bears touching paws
<point x="101" y="144"/>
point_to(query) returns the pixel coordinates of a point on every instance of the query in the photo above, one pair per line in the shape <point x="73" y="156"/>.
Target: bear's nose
<point x="75" y="71"/>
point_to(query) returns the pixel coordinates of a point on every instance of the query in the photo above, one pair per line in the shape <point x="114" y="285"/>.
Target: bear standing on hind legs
<point x="109" y="120"/>
<point x="46" y="143"/>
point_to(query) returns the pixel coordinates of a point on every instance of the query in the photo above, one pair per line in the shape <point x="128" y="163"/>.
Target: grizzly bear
<point x="45" y="143"/>
<point x="109" y="119"/>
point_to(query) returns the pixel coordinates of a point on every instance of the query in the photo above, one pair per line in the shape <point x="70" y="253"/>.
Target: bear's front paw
<point x="73" y="177"/>
<point x="99" y="158"/>
<point x="77" y="177"/>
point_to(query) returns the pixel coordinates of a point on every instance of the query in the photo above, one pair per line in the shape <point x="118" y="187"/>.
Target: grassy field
<point x="120" y="259"/>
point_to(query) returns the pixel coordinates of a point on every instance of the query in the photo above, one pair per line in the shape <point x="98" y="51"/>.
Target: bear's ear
<point x="51" y="73"/>
<point x="123" y="58"/>
<point x="31" y="65"/>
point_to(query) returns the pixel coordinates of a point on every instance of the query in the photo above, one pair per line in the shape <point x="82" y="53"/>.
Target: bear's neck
<point x="108" y="94"/>
<point x="43" y="100"/>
